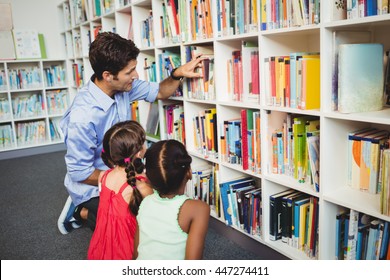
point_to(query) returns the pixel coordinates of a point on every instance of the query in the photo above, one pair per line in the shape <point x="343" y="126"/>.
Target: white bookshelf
<point x="33" y="108"/>
<point x="334" y="193"/>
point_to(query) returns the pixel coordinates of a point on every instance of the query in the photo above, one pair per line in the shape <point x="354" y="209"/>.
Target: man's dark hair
<point x="110" y="52"/>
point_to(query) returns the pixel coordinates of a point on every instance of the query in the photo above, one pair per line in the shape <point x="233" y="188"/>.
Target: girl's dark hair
<point x="110" y="52"/>
<point x="167" y="163"/>
<point x="121" y="143"/>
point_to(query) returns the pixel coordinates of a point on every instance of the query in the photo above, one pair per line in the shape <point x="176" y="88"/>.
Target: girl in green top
<point x="171" y="226"/>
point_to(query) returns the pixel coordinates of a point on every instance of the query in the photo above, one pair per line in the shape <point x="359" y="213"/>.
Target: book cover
<point x="27" y="44"/>
<point x="7" y="50"/>
<point x="360" y="77"/>
<point x="343" y="37"/>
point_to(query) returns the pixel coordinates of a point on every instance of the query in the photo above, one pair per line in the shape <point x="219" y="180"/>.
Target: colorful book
<point x="360" y="87"/>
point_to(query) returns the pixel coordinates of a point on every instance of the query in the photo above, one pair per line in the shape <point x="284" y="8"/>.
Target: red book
<point x="174" y="13"/>
<point x="244" y="139"/>
<point x="273" y="79"/>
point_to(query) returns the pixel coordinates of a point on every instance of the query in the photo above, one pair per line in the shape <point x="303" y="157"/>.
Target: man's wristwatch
<point x="174" y="77"/>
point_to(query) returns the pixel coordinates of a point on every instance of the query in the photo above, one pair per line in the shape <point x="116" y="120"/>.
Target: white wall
<point x="43" y="16"/>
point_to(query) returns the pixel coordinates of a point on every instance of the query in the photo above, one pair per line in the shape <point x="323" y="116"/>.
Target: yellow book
<point x="310" y="97"/>
<point x="302" y="225"/>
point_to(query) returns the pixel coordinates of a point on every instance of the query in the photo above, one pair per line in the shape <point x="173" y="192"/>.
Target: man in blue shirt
<point x="102" y="102"/>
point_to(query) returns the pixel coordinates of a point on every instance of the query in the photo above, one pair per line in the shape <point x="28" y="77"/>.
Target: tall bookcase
<point x="126" y="17"/>
<point x="33" y="95"/>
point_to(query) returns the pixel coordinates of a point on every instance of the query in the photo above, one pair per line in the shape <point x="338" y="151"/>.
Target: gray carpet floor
<point x="32" y="195"/>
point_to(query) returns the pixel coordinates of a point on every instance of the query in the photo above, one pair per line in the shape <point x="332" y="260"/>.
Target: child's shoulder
<point x="144" y="188"/>
<point x="198" y="206"/>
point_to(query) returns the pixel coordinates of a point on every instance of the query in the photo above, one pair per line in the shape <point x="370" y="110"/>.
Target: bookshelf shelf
<point x="334" y="195"/>
<point x="34" y="95"/>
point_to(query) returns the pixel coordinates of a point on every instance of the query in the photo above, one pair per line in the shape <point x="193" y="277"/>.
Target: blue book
<point x="297" y="205"/>
<point x="360" y="243"/>
<point x="372" y="239"/>
<point x="224" y="188"/>
<point x="361" y="78"/>
<point x="385" y="241"/>
<point x="340" y="234"/>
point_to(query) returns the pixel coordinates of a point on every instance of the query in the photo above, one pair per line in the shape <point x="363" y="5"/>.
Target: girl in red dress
<point x="122" y="189"/>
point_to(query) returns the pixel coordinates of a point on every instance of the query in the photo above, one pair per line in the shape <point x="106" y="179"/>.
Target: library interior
<point x="288" y="126"/>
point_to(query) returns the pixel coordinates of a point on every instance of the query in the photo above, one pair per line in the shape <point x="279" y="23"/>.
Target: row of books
<point x="55" y="129"/>
<point x="84" y="10"/>
<point x="205" y="133"/>
<point x="28" y="105"/>
<point x="169" y="60"/>
<point x="5" y="111"/>
<point x="243" y="73"/>
<point x="174" y="122"/>
<point x="183" y="20"/>
<point x="57" y="101"/>
<point x="240" y="141"/>
<point x="295" y="149"/>
<point x="289" y="13"/>
<point x="365" y="158"/>
<point x="24" y="78"/>
<point x="33" y="104"/>
<point x="201" y="88"/>
<point x="237" y="202"/>
<point x="150" y="70"/>
<point x="242" y="204"/>
<point x="361" y="237"/>
<point x="6" y="136"/>
<point x="202" y="186"/>
<point x="169" y="23"/>
<point x="359" y="9"/>
<point x="147" y="36"/>
<point x="293" y="81"/>
<point x="294" y="220"/>
<point x="78" y="74"/>
<point x="54" y="76"/>
<point x="237" y="17"/>
<point x="28" y="133"/>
